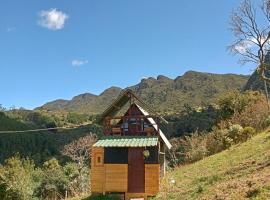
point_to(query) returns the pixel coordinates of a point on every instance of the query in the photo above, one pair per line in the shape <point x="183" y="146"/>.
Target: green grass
<point x="242" y="172"/>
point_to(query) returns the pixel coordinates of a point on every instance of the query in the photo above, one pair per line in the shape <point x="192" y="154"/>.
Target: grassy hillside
<point x="41" y="145"/>
<point x="242" y="172"/>
<point x="165" y="94"/>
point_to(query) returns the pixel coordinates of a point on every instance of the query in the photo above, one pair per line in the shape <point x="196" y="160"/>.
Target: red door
<point x="136" y="175"/>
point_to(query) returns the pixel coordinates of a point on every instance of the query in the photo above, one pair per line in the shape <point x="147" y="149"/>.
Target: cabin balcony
<point x="118" y="130"/>
<point x="130" y="126"/>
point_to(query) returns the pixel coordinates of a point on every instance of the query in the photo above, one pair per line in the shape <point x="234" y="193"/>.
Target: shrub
<point x="176" y="155"/>
<point x="247" y="133"/>
<point x="187" y="149"/>
<point x="266" y="122"/>
<point x="235" y="133"/>
<point x="76" y="118"/>
<point x="16" y="181"/>
<point x="236" y="110"/>
<point x="78" y="179"/>
<point x="41" y="120"/>
<point x="217" y="141"/>
<point x="195" y="147"/>
<point x="254" y="115"/>
<point x="235" y="102"/>
<point x="54" y="182"/>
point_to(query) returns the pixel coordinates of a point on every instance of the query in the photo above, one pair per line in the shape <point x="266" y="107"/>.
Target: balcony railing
<point x="130" y="125"/>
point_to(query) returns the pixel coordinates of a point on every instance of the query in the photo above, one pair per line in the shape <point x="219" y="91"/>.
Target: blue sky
<point x="58" y="49"/>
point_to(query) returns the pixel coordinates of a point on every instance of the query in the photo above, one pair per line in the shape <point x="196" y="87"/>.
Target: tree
<point x="235" y="102"/>
<point x="16" y="180"/>
<point x="54" y="182"/>
<point x="80" y="152"/>
<point x="78" y="183"/>
<point x="2" y="108"/>
<point x="76" y="118"/>
<point x="252" y="36"/>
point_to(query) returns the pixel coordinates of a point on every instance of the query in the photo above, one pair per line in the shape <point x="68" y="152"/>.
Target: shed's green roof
<point x="127" y="141"/>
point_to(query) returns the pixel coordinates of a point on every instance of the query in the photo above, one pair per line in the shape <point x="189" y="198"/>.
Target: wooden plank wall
<point x="116" y="176"/>
<point x="152" y="179"/>
<point x="97" y="171"/>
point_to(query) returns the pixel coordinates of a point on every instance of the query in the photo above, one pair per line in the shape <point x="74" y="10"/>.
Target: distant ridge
<point x="84" y="103"/>
<point x="162" y="93"/>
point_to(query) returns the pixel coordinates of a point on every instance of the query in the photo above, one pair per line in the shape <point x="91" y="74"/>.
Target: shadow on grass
<point x="106" y="197"/>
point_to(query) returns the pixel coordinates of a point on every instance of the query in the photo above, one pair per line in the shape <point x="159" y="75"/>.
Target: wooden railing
<point x="138" y="125"/>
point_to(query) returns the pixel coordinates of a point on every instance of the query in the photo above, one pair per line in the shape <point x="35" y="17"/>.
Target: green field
<point x="242" y="172"/>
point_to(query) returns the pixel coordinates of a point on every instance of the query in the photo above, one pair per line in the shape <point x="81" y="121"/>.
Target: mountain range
<point x="163" y="94"/>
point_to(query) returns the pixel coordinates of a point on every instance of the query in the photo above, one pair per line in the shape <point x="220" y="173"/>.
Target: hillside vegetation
<point x="164" y="94"/>
<point x="39" y="145"/>
<point x="255" y="82"/>
<point x="241" y="172"/>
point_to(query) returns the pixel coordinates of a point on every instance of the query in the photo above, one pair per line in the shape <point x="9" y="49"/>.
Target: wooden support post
<point x="162" y="160"/>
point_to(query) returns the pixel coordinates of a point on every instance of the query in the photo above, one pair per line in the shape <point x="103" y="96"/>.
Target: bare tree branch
<point x="80" y="150"/>
<point x="252" y="38"/>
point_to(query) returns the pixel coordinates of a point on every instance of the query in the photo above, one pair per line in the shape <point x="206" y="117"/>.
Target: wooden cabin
<point x="130" y="158"/>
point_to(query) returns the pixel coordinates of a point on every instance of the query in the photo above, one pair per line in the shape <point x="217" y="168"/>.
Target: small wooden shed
<point x="130" y="158"/>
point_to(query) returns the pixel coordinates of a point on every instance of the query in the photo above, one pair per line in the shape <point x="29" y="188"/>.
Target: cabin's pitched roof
<point x="127" y="141"/>
<point x="122" y="99"/>
<point x="117" y="104"/>
<point x="154" y="124"/>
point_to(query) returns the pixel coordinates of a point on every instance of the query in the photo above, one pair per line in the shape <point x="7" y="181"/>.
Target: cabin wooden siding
<point x="107" y="177"/>
<point x="152" y="179"/>
<point x="114" y="177"/>
<point x="97" y="170"/>
<point x="110" y="178"/>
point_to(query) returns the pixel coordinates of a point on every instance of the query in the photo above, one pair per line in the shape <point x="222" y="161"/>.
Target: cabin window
<point x="98" y="160"/>
<point x="115" y="155"/>
<point x="153" y="157"/>
<point x="125" y="126"/>
<point x="132" y="121"/>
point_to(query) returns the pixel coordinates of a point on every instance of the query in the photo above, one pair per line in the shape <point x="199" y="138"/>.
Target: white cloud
<point x="9" y="29"/>
<point x="79" y="62"/>
<point x="52" y="19"/>
<point x="244" y="45"/>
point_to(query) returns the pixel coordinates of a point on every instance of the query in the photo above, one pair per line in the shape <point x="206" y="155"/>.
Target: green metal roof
<point x="127" y="141"/>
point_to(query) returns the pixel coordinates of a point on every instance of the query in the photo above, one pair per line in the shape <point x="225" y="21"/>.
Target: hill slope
<point x="40" y="145"/>
<point x="242" y="172"/>
<point x="256" y="83"/>
<point x="84" y="103"/>
<point x="167" y="95"/>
